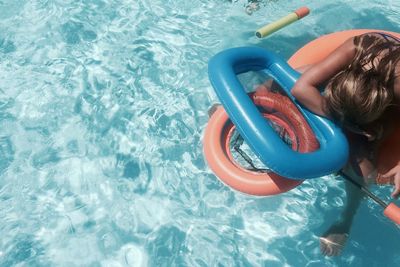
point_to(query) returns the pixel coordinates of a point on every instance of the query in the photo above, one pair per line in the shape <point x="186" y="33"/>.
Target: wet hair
<point x="357" y="96"/>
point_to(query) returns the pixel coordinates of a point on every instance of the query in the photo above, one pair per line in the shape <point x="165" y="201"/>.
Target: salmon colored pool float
<point x="219" y="131"/>
<point x="218" y="152"/>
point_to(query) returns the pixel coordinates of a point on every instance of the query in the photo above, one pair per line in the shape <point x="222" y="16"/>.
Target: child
<point x="362" y="95"/>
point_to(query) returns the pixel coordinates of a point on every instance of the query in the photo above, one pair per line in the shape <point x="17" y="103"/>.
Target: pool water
<point x="103" y="105"/>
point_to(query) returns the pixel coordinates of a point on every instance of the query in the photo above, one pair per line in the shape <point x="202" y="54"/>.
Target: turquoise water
<point x="103" y="105"/>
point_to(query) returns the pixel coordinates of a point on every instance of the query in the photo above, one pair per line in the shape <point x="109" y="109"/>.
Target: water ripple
<point x="103" y="105"/>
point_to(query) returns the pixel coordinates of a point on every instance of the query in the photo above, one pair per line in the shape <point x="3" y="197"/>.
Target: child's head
<point x="357" y="101"/>
<point x="357" y="96"/>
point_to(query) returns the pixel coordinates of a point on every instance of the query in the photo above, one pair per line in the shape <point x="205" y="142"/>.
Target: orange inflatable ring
<point x="219" y="157"/>
<point x="219" y="129"/>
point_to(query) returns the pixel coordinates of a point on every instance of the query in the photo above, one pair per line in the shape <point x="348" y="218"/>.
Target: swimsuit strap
<point x="387" y="36"/>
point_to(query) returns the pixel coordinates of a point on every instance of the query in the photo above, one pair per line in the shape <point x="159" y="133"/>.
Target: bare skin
<point x="361" y="165"/>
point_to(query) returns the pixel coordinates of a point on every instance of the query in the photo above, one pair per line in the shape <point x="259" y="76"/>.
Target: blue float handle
<point x="259" y="135"/>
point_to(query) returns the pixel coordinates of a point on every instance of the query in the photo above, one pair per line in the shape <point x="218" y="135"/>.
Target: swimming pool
<point x="103" y="105"/>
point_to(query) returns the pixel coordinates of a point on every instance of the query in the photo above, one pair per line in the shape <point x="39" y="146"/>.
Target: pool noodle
<point x="392" y="212"/>
<point x="282" y="22"/>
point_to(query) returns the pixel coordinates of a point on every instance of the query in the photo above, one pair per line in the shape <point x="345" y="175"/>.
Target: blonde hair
<point x="357" y="96"/>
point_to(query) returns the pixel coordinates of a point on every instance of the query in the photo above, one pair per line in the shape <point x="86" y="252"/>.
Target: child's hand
<point x="395" y="173"/>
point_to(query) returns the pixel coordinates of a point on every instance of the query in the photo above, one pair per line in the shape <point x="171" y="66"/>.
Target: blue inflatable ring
<point x="252" y="126"/>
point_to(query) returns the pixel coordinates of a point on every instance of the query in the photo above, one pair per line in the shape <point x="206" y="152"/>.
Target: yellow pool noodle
<point x="282" y="22"/>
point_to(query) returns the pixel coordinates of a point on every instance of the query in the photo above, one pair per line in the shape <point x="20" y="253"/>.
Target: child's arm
<point x="305" y="90"/>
